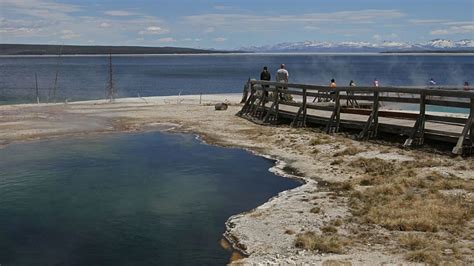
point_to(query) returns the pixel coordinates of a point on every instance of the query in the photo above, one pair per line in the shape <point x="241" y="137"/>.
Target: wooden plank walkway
<point x="362" y="108"/>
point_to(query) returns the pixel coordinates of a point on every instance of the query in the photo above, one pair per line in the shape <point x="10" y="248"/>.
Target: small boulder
<point x="221" y="106"/>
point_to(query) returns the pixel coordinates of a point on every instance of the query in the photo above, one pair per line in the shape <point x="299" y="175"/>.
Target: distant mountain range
<point x="40" y="49"/>
<point x="437" y="45"/>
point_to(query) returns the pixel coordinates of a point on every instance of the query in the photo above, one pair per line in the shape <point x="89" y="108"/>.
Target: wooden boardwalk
<point x="364" y="109"/>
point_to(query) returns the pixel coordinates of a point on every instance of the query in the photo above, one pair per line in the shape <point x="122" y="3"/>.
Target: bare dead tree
<point x="110" y="92"/>
<point x="36" y="87"/>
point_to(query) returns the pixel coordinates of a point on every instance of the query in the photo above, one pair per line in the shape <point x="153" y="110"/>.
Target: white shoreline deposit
<point x="266" y="234"/>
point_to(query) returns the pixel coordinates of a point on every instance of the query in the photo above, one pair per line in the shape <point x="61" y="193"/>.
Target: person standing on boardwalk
<point x="332" y="85"/>
<point x="375" y="83"/>
<point x="466" y="85"/>
<point x="265" y="75"/>
<point x="282" y="76"/>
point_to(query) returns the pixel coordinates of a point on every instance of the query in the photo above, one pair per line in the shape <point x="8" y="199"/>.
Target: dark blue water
<point x="85" y="77"/>
<point x="145" y="199"/>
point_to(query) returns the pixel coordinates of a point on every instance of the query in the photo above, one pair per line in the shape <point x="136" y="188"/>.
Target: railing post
<point x="418" y="132"/>
<point x="304" y="106"/>
<point x="277" y="101"/>
<point x="468" y="130"/>
<point x="371" y="127"/>
<point x="333" y="123"/>
<point x="471" y="134"/>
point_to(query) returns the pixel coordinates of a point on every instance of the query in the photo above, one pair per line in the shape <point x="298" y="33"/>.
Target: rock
<point x="221" y="106"/>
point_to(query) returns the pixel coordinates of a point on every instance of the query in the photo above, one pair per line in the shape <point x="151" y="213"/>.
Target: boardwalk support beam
<point x="371" y="127"/>
<point x="417" y="135"/>
<point x="335" y="119"/>
<point x="300" y="118"/>
<point x="465" y="143"/>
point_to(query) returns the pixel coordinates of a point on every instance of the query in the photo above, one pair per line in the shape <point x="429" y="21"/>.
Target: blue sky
<point x="228" y="24"/>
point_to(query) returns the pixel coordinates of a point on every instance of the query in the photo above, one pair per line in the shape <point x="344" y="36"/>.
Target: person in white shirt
<point x="282" y="76"/>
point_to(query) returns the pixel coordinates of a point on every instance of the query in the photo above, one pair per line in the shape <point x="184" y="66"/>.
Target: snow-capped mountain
<point x="322" y="46"/>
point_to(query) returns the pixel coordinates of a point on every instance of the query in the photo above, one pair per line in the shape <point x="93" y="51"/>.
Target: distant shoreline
<point x="46" y="49"/>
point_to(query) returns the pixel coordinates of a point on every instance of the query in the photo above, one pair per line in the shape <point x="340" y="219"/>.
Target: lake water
<point x="141" y="199"/>
<point x="85" y="77"/>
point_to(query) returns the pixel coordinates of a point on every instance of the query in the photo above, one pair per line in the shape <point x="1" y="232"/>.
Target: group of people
<point x="432" y="82"/>
<point x="282" y="75"/>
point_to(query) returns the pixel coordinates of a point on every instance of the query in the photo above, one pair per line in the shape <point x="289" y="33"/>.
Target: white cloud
<point x="119" y="13"/>
<point x="427" y="21"/>
<point x="39" y="4"/>
<point x="244" y="22"/>
<point x="311" y="28"/>
<point x="166" y="40"/>
<point x="386" y="37"/>
<point x="457" y="23"/>
<point x="44" y="9"/>
<point x="220" y="39"/>
<point x="105" y="25"/>
<point x="154" y="30"/>
<point x="69" y="34"/>
<point x="466" y="28"/>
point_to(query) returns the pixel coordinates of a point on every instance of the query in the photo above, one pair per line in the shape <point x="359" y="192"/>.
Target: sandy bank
<point x="268" y="233"/>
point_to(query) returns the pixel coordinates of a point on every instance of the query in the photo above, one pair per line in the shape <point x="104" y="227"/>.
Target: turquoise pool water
<point x="128" y="199"/>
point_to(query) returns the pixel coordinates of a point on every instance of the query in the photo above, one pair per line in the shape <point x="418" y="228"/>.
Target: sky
<point x="231" y="24"/>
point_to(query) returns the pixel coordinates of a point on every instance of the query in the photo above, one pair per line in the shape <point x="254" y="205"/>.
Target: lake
<point x="86" y="77"/>
<point x="125" y="199"/>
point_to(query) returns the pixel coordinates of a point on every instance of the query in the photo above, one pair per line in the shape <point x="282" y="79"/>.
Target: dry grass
<point x="348" y="151"/>
<point x="336" y="222"/>
<point x="416" y="241"/>
<point x="428" y="249"/>
<point x="405" y="197"/>
<point x="315" y="210"/>
<point x="320" y="140"/>
<point x="329" y="229"/>
<point x="413" y="203"/>
<point x="320" y="243"/>
<point x="337" y="162"/>
<point x="374" y="166"/>
<point x="397" y="208"/>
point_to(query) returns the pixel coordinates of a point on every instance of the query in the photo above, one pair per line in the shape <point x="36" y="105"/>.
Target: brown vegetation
<point x="374" y="166"/>
<point x="399" y="199"/>
<point x="351" y="150"/>
<point x="320" y="140"/>
<point x="315" y="210"/>
<point x="321" y="243"/>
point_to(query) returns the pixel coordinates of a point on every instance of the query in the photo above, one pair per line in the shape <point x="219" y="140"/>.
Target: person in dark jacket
<point x="265" y="75"/>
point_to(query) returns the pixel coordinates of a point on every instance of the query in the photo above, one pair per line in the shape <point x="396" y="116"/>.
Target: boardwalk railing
<point x="362" y="108"/>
